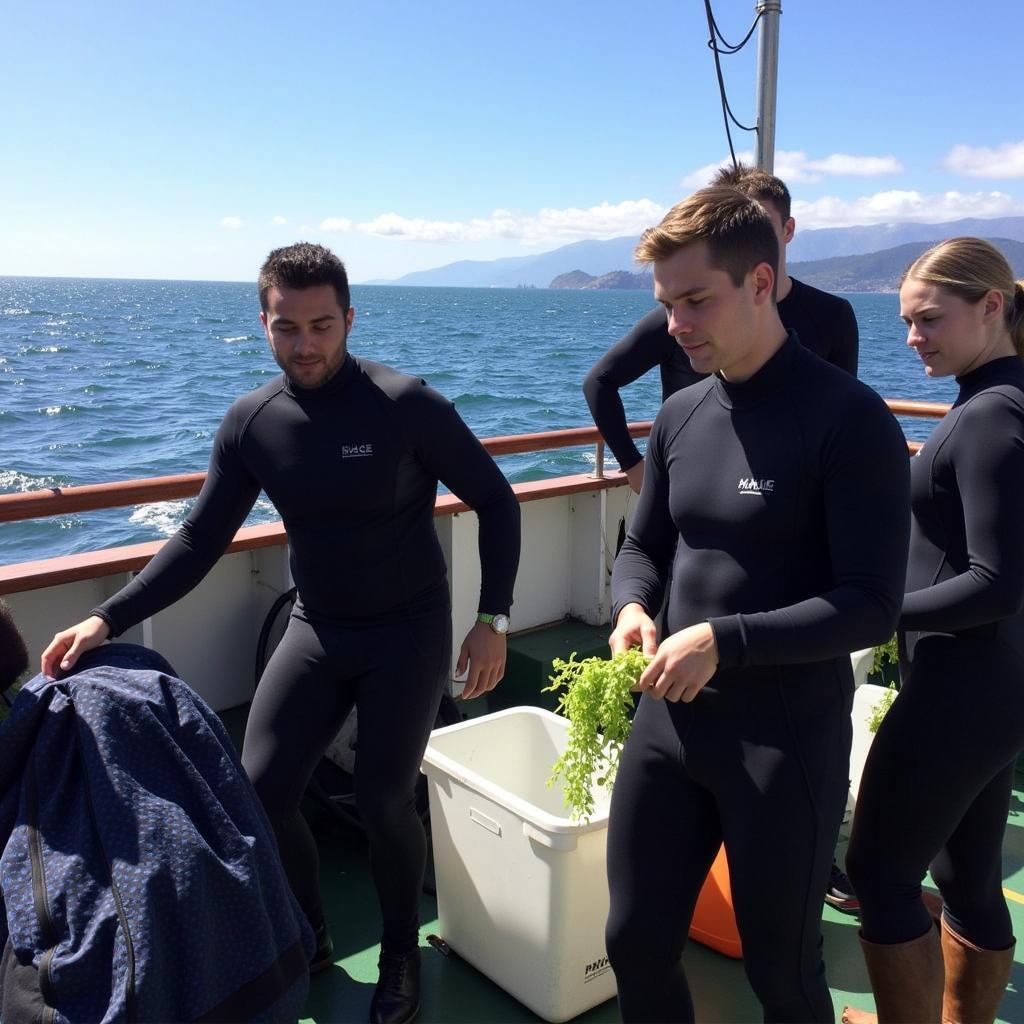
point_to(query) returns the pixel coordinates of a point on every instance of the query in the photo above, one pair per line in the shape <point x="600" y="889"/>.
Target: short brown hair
<point x="759" y="185"/>
<point x="13" y="653"/>
<point x="304" y="265"/>
<point x="736" y="229"/>
<point x="970" y="268"/>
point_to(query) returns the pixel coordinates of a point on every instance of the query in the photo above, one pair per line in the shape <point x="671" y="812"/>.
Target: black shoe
<point x="396" y="1000"/>
<point x="324" y="955"/>
<point x="839" y="893"/>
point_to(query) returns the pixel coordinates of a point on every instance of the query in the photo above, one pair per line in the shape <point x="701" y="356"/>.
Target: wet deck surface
<point x="456" y="993"/>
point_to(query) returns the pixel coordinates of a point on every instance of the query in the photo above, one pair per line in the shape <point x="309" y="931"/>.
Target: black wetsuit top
<point x="352" y="467"/>
<point x="781" y="504"/>
<point x="787" y="494"/>
<point x="824" y="323"/>
<point x="966" y="568"/>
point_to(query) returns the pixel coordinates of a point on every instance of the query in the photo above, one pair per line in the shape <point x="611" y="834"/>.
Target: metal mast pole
<point x="767" y="79"/>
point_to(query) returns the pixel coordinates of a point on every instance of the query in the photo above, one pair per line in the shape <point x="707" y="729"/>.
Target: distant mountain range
<point x="881" y="271"/>
<point x="811" y="257"/>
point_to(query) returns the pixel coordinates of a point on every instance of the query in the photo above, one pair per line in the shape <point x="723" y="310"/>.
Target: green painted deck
<point x="456" y="993"/>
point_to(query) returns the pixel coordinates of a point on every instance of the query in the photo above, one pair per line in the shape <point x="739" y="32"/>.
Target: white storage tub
<point x="522" y="892"/>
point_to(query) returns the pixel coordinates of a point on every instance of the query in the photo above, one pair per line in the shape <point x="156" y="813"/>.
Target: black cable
<point x="727" y="113"/>
<point x="728" y="47"/>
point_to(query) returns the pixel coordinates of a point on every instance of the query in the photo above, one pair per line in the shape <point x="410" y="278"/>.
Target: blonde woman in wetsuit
<point x="938" y="781"/>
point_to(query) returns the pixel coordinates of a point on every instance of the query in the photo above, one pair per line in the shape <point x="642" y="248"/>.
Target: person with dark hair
<point x="773" y="525"/>
<point x="350" y="452"/>
<point x="13" y="653"/>
<point x="937" y="785"/>
<point x="823" y="323"/>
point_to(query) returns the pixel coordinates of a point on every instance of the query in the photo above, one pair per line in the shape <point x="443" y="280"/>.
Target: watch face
<point x="500" y="624"/>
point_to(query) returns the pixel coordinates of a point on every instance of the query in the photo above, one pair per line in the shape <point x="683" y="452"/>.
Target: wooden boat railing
<point x="53" y="501"/>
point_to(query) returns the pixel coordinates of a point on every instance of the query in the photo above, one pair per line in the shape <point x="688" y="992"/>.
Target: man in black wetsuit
<point x="777" y="494"/>
<point x="350" y="452"/>
<point x="824" y="323"/>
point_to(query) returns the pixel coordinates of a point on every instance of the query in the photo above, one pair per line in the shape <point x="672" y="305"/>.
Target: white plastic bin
<point x="522" y="892"/>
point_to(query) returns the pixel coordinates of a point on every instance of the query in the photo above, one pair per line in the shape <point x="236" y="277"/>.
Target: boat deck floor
<point x="454" y="992"/>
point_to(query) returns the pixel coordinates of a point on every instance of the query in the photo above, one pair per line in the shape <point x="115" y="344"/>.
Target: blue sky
<point x="187" y="140"/>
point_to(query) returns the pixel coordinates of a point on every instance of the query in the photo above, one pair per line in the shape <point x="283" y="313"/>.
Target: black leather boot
<point x="324" y="955"/>
<point x="396" y="1000"/>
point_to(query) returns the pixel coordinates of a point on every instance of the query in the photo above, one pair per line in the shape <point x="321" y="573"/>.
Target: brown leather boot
<point x="975" y="979"/>
<point x="907" y="979"/>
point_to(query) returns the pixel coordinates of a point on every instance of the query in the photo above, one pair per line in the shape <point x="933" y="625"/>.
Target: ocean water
<point x="115" y="380"/>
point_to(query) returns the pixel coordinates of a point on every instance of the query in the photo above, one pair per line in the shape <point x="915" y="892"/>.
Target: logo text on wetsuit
<point x="750" y="485"/>
<point x="356" y="451"/>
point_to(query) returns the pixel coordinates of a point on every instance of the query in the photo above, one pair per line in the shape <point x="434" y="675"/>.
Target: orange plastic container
<point x="714" y="920"/>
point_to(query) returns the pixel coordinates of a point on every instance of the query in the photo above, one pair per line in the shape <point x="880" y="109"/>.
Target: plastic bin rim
<point x="437" y="765"/>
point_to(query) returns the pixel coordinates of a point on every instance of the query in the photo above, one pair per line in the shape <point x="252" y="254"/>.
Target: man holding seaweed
<point x="775" y="503"/>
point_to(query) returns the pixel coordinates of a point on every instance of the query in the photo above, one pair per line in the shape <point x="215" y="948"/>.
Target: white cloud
<point x="336" y="224"/>
<point x="232" y="223"/>
<point x="1005" y="161"/>
<point x="856" y="166"/>
<point x="608" y="220"/>
<point x="794" y="167"/>
<point x="278" y="220"/>
<point x="904" y="205"/>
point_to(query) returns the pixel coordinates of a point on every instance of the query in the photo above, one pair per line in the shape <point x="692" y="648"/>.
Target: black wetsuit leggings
<point x="936" y="791"/>
<point x="762" y="766"/>
<point x="394" y="674"/>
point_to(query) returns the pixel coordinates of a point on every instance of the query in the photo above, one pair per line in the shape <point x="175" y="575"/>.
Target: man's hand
<point x="685" y="661"/>
<point x="483" y="653"/>
<point x="635" y="476"/>
<point x="634" y="628"/>
<point x="67" y="646"/>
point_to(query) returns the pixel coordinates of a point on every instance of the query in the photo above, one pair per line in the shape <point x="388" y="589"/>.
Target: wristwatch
<point x="499" y="623"/>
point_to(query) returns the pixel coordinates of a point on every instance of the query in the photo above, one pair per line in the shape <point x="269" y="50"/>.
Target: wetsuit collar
<point x="767" y="383"/>
<point x="995" y="371"/>
<point x="334" y="386"/>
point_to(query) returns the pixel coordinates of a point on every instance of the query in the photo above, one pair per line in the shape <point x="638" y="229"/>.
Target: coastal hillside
<point x="881" y="271"/>
<point x="617" y="280"/>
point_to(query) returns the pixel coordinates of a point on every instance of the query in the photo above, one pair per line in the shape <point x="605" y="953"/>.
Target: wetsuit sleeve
<point x="646" y="346"/>
<point x="988" y="462"/>
<point x="642" y="565"/>
<point x="451" y="452"/>
<point x="846" y="352"/>
<point x="866" y="502"/>
<point x="226" y="499"/>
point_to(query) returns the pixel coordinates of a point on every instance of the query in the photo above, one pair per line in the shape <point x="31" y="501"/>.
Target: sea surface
<point x="104" y="380"/>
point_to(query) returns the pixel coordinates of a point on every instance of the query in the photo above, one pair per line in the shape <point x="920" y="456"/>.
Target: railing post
<point x="599" y="461"/>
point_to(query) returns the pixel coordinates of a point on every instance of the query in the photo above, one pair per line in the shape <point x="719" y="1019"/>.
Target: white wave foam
<point x="590" y="457"/>
<point x="17" y="312"/>
<point x="13" y="482"/>
<point x="241" y="337"/>
<point x="165" y="516"/>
